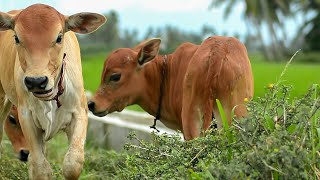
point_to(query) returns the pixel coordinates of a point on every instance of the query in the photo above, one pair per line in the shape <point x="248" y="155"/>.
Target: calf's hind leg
<point x="196" y="112"/>
<point x="194" y="100"/>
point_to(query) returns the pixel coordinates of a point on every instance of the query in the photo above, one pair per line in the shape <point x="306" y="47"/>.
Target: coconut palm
<point x="261" y="12"/>
<point x="311" y="35"/>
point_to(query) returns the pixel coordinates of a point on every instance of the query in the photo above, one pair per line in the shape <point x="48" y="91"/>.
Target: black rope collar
<point x="163" y="75"/>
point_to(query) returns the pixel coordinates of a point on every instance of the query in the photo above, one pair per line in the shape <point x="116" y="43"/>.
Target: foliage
<point x="262" y="14"/>
<point x="102" y="164"/>
<point x="106" y="38"/>
<point x="271" y="15"/>
<point x="172" y="37"/>
<point x="12" y="168"/>
<point x="279" y="140"/>
<point x="311" y="35"/>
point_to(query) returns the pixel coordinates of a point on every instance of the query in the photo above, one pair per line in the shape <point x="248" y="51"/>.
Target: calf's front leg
<point x="39" y="167"/>
<point x="76" y="132"/>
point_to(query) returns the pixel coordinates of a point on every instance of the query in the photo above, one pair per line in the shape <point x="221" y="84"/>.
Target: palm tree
<point x="311" y="36"/>
<point x="261" y="12"/>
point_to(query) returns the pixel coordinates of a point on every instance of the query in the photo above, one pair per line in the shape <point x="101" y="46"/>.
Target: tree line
<point x="273" y="14"/>
<point x="257" y="14"/>
<point x="110" y="36"/>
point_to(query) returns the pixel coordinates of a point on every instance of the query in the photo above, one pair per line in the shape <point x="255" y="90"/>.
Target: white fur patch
<point x="48" y="117"/>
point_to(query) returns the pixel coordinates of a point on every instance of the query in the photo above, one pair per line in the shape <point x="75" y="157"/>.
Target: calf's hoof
<point x="72" y="165"/>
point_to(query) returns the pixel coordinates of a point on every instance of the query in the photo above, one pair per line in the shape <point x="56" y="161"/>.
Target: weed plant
<point x="278" y="140"/>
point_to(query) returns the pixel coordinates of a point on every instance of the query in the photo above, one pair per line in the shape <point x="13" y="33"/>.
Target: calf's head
<point x="39" y="34"/>
<point x="123" y="80"/>
<point x="13" y="130"/>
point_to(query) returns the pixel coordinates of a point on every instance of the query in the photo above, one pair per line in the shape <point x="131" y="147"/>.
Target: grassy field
<point x="300" y="76"/>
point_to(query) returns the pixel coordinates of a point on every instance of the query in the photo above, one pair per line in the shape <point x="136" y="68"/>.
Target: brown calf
<point x="41" y="74"/>
<point x="13" y="130"/>
<point x="181" y="87"/>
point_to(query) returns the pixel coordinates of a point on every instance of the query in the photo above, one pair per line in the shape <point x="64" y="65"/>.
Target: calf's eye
<point x="115" y="77"/>
<point x="59" y="39"/>
<point x="16" y="39"/>
<point x="12" y="120"/>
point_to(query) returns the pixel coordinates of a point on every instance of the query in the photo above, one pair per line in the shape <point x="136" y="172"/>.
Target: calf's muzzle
<point x="33" y="83"/>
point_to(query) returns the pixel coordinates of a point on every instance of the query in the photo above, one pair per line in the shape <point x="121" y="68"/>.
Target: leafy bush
<point x="278" y="140"/>
<point x="102" y="164"/>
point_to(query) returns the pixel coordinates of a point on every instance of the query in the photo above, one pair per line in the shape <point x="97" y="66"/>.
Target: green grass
<point x="92" y="67"/>
<point x="300" y="76"/>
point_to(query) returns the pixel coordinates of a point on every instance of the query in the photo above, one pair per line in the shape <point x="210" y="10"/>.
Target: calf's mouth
<point x="43" y="94"/>
<point x="101" y="114"/>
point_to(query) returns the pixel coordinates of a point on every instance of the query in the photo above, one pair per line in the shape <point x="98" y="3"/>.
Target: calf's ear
<point x="6" y="21"/>
<point x="84" y="22"/>
<point x="148" y="50"/>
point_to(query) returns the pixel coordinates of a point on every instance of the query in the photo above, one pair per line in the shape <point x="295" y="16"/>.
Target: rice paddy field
<point x="300" y="76"/>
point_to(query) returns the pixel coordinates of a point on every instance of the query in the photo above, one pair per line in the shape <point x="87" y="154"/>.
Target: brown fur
<point x="196" y="76"/>
<point x="13" y="130"/>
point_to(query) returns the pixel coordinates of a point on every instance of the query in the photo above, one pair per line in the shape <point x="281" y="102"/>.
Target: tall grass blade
<point x="226" y="127"/>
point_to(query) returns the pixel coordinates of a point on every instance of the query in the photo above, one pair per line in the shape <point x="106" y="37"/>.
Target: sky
<point x="188" y="15"/>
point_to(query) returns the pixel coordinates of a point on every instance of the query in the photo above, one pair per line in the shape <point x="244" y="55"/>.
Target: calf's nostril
<point x="44" y="82"/>
<point x="28" y="82"/>
<point x="24" y="155"/>
<point x="91" y="106"/>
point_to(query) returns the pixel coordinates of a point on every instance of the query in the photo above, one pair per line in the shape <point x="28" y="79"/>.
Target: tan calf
<point x="181" y="88"/>
<point x="40" y="73"/>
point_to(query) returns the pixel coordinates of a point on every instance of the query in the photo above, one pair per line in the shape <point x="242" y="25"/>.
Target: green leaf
<point x="224" y="122"/>
<point x="292" y="128"/>
<point x="226" y="128"/>
<point x="222" y="115"/>
<point x="193" y="175"/>
<point x="269" y="123"/>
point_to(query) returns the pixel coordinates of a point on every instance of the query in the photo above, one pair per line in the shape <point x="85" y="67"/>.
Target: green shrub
<point x="278" y="140"/>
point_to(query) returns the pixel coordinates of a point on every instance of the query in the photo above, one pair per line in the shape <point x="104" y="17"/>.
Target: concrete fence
<point x="111" y="131"/>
